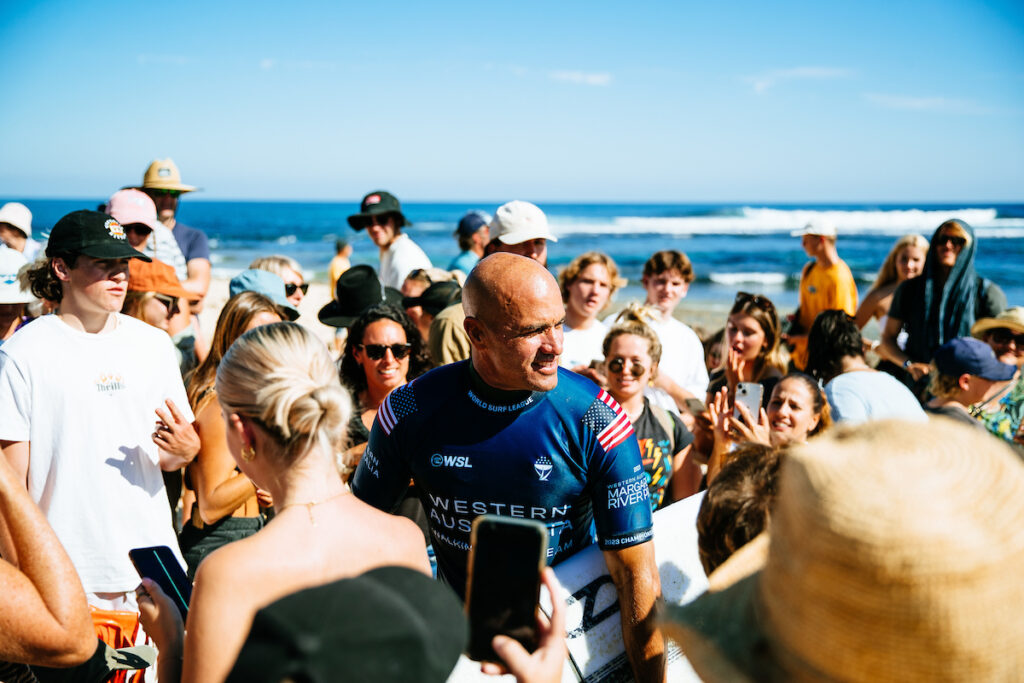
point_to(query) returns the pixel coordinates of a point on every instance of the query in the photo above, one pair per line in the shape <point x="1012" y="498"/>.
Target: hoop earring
<point x="248" y="453"/>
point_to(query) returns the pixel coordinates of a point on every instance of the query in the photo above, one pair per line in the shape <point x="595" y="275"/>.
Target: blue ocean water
<point x="733" y="247"/>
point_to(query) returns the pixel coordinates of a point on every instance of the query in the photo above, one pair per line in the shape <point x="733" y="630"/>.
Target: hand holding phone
<point x="503" y="589"/>
<point x="159" y="564"/>
<point x="750" y="395"/>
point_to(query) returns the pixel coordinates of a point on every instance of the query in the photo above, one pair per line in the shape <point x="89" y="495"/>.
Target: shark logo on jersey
<point x="543" y="467"/>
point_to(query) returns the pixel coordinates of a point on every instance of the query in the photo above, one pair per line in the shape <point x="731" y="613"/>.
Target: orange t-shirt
<point x="822" y="288"/>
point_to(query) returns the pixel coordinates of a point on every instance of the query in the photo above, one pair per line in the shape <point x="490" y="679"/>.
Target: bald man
<point x="510" y="433"/>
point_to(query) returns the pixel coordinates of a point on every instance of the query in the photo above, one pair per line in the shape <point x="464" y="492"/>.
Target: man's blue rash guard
<point x="567" y="458"/>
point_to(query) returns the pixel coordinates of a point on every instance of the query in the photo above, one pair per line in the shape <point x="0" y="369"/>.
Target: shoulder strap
<point x="665" y="420"/>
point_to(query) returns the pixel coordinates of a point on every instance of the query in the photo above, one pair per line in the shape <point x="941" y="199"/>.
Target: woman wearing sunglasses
<point x="632" y="352"/>
<point x="940" y="304"/>
<point x="751" y="352"/>
<point x="383" y="351"/>
<point x="227" y="507"/>
<point x="1003" y="412"/>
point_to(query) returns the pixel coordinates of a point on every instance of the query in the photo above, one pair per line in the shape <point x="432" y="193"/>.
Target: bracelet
<point x="906" y="364"/>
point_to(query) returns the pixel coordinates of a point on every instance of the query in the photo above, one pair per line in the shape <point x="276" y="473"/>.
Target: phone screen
<point x="159" y="564"/>
<point x="504" y="582"/>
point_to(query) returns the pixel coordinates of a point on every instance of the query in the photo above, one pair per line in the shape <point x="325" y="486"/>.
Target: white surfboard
<point x="593" y="621"/>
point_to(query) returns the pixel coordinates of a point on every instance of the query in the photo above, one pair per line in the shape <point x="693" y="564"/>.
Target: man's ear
<point x="964" y="381"/>
<point x="60" y="269"/>
<point x="475" y="331"/>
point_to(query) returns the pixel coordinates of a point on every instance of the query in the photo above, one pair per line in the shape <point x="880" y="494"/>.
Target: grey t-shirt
<point x="865" y="395"/>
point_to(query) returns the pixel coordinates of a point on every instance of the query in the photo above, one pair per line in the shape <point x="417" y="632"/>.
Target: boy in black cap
<point x="381" y="215"/>
<point x="76" y="391"/>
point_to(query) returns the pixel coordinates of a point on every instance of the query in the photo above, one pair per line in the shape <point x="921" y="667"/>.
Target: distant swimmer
<point x="511" y="433"/>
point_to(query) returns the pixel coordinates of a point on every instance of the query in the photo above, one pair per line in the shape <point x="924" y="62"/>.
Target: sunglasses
<point x="762" y="302"/>
<point x="957" y="242"/>
<point x="377" y="351"/>
<point x="290" y="289"/>
<point x="617" y="364"/>
<point x="140" y="228"/>
<point x="170" y="302"/>
<point x="164" y="193"/>
<point x="380" y="220"/>
<point x="1002" y="335"/>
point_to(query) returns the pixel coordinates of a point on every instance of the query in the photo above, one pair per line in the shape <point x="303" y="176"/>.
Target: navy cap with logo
<point x="91" y="233"/>
<point x="966" y="355"/>
<point x="375" y="204"/>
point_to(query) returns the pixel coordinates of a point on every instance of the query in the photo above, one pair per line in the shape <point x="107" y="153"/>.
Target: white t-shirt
<point x="579" y="347"/>
<point x="682" y="356"/>
<point x="85" y="403"/>
<point x="871" y="395"/>
<point x="400" y="259"/>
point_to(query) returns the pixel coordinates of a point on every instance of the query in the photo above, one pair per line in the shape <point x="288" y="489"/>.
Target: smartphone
<point x="159" y="564"/>
<point x="750" y="395"/>
<point x="503" y="588"/>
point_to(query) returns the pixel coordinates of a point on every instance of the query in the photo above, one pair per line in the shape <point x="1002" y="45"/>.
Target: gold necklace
<point x="311" y="504"/>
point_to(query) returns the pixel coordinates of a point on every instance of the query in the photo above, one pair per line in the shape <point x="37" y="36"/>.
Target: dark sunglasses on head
<point x="762" y="302"/>
<point x="377" y="351"/>
<point x="1002" y="335"/>
<point x="289" y="289"/>
<point x="616" y="364"/>
<point x="958" y="242"/>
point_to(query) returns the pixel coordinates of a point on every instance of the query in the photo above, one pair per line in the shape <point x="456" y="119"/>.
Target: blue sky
<point x="675" y="101"/>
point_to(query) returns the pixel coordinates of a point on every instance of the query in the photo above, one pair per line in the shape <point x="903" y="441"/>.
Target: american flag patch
<point x="397" y="405"/>
<point x="607" y="418"/>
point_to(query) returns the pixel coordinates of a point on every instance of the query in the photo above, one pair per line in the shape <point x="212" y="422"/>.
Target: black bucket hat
<point x="377" y="203"/>
<point x="358" y="288"/>
<point x="93" y="234"/>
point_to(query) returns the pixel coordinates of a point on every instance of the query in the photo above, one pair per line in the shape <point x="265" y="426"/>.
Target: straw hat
<point x="894" y="553"/>
<point x="1011" y="319"/>
<point x="163" y="174"/>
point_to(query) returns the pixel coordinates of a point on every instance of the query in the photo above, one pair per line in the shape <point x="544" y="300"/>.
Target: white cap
<point x="518" y="221"/>
<point x="18" y="215"/>
<point x="817" y="226"/>
<point x="11" y="262"/>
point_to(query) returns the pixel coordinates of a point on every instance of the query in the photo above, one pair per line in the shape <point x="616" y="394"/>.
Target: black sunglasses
<point x="289" y="289"/>
<point x="377" y="351"/>
<point x="171" y="193"/>
<point x="1002" y="335"/>
<point x="958" y="242"/>
<point x="762" y="302"/>
<point x="381" y="220"/>
<point x="170" y="302"/>
<point x="616" y="364"/>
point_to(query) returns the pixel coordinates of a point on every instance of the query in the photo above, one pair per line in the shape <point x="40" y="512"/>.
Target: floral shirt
<point x="1005" y="421"/>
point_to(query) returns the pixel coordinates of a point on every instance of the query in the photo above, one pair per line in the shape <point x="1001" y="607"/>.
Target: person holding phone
<point x="508" y="432"/>
<point x="753" y="351"/>
<point x="284" y="412"/>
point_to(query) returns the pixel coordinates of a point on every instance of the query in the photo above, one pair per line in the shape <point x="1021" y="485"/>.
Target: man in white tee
<point x="77" y="393"/>
<point x="381" y="216"/>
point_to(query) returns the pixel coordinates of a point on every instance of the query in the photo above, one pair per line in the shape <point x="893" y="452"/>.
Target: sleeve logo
<point x="397" y="405"/>
<point x="606" y="417"/>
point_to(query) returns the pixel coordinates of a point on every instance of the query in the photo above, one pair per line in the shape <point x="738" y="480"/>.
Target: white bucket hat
<point x="11" y="292"/>
<point x="18" y="215"/>
<point x="518" y="221"/>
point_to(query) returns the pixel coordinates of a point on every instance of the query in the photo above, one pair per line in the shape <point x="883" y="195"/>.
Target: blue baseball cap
<point x="966" y="355"/>
<point x="266" y="283"/>
<point x="471" y="222"/>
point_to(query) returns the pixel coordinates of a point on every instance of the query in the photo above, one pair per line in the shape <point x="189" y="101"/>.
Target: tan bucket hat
<point x="894" y="554"/>
<point x="163" y="174"/>
<point x="1011" y="319"/>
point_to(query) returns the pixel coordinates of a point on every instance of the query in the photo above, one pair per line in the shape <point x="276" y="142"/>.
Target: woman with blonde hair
<point x="751" y="345"/>
<point x="905" y="260"/>
<point x="284" y="410"/>
<point x="226" y="505"/>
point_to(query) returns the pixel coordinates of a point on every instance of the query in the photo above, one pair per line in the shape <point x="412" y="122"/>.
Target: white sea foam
<point x="759" y="221"/>
<point x="287" y="239"/>
<point x="731" y="279"/>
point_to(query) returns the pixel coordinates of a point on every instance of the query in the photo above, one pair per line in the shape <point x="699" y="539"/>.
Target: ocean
<point x="733" y="247"/>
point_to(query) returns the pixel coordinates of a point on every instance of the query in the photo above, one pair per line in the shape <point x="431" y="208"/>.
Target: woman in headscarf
<point x="940" y="304"/>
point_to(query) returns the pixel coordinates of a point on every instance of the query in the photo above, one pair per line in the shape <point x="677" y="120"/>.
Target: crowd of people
<point x="285" y="473"/>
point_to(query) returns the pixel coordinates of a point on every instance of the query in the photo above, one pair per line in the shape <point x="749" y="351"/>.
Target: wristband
<point x="906" y="364"/>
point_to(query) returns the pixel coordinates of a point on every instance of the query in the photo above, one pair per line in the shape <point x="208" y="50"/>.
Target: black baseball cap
<point x="389" y="624"/>
<point x="436" y="297"/>
<point x="377" y="203"/>
<point x="91" y="233"/>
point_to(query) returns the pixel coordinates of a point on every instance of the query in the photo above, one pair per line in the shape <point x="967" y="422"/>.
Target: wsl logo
<point x="543" y="467"/>
<point x="438" y="460"/>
